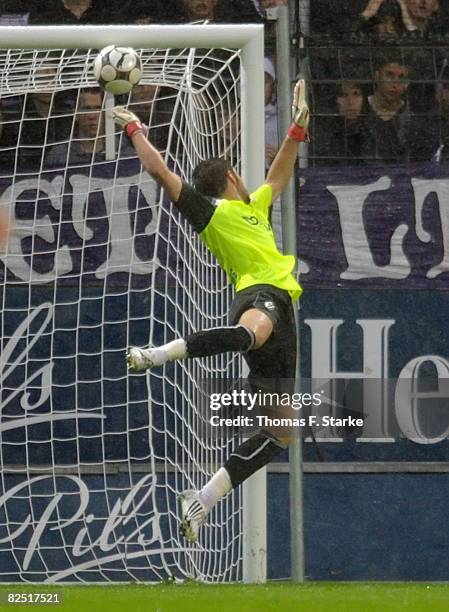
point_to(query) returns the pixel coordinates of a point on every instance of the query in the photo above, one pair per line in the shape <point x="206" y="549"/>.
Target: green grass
<point x="282" y="597"/>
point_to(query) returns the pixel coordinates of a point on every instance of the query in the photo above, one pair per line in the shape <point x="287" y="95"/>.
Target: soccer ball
<point x="117" y="69"/>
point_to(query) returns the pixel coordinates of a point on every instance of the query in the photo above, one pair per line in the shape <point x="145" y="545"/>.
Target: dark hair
<point x="209" y="176"/>
<point x="91" y="90"/>
<point x="97" y="91"/>
<point x="390" y="56"/>
<point x="389" y="8"/>
<point x="142" y="9"/>
<point x="343" y="86"/>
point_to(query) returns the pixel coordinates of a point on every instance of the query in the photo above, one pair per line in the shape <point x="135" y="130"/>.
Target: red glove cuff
<point x="298" y="133"/>
<point x="133" y="128"/>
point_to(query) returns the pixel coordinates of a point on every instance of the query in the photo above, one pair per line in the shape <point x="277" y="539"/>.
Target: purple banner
<point x="375" y="227"/>
<point x="87" y="222"/>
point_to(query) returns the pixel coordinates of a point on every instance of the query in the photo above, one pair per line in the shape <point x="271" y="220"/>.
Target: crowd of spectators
<point x="372" y="127"/>
<point x="36" y="12"/>
<point x="379" y="21"/>
<point x="379" y="76"/>
<point x="42" y="129"/>
<point x="379" y="72"/>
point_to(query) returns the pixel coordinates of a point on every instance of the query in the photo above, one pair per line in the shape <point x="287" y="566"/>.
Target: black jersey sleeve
<point x="196" y="208"/>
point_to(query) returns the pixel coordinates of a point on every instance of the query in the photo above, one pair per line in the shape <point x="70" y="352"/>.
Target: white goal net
<point x="91" y="457"/>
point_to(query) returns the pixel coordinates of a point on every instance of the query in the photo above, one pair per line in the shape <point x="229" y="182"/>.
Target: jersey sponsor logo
<point x="252" y="220"/>
<point x="255" y="221"/>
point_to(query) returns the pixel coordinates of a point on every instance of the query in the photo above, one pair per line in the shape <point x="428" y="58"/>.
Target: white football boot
<point x="193" y="513"/>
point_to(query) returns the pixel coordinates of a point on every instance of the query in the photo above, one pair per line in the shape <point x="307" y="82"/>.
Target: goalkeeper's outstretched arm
<point x="283" y="164"/>
<point x="149" y="156"/>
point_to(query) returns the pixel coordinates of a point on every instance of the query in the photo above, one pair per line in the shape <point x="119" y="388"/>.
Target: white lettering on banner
<point x="121" y="252"/>
<point x="133" y="518"/>
<point x="405" y="399"/>
<point x="12" y="358"/>
<point x="410" y="401"/>
<point x="8" y="363"/>
<point x="42" y="227"/>
<point x="121" y="256"/>
<point x="137" y="510"/>
<point x="350" y="200"/>
<point x="374" y="375"/>
<point x="422" y="188"/>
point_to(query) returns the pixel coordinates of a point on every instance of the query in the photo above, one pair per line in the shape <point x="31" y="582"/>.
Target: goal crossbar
<point x="207" y="36"/>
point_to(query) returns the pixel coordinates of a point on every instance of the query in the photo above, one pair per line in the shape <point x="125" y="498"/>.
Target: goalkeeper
<point x="235" y="227"/>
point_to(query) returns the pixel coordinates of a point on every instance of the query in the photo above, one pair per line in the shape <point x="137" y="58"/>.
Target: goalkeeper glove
<point x="128" y="121"/>
<point x="300" y="114"/>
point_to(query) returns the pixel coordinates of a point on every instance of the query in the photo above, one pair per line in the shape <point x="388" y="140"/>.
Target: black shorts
<point x="275" y="361"/>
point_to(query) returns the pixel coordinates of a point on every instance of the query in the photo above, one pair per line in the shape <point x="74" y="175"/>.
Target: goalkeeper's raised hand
<point x="128" y="121"/>
<point x="282" y="167"/>
<point x="300" y="114"/>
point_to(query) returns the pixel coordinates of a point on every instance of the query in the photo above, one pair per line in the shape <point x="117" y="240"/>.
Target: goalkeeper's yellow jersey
<point x="241" y="238"/>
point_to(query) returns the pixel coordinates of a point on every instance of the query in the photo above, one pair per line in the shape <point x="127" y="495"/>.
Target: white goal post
<point x="249" y="39"/>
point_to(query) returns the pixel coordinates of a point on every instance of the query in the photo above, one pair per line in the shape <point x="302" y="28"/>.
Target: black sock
<point x="251" y="456"/>
<point x="218" y="340"/>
